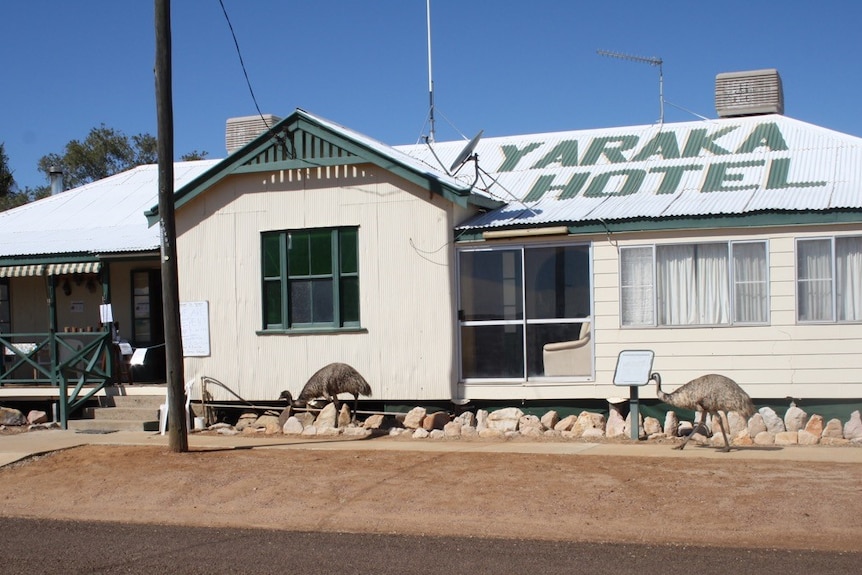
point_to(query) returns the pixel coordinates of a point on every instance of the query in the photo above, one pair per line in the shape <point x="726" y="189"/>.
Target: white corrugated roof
<point x="106" y="216"/>
<point x="727" y="166"/>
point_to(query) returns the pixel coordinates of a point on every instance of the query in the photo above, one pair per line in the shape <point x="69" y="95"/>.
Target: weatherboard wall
<point x="405" y="347"/>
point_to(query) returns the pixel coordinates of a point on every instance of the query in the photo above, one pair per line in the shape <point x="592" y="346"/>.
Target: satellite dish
<point x="466" y="152"/>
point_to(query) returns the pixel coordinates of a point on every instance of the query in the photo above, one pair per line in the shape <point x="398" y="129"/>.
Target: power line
<point x="242" y="64"/>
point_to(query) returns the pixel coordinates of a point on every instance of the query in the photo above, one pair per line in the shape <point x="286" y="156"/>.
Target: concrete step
<point x="132" y="401"/>
<point x="121" y="413"/>
<point x="112" y="425"/>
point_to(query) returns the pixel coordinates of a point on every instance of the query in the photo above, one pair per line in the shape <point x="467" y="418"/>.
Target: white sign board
<point x="633" y="367"/>
<point x="195" y="327"/>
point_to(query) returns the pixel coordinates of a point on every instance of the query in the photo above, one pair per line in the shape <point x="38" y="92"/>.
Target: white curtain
<point x="713" y="290"/>
<point x="750" y="283"/>
<point x="848" y="271"/>
<point x="636" y="286"/>
<point x="677" y="303"/>
<point x="814" y="284"/>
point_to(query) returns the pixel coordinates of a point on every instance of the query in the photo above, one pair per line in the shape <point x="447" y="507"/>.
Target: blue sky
<point x="504" y="66"/>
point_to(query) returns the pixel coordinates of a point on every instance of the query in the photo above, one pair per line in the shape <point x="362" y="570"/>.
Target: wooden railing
<point x="79" y="364"/>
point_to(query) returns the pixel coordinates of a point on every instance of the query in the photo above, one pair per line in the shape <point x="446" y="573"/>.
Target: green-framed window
<point x="310" y="279"/>
<point x="5" y="309"/>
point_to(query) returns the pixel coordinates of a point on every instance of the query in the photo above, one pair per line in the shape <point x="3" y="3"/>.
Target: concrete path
<point x="19" y="446"/>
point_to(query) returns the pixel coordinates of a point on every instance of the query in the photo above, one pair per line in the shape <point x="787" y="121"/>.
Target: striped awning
<point x="50" y="269"/>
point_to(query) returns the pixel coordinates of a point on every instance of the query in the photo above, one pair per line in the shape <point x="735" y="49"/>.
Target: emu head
<point x="286" y="396"/>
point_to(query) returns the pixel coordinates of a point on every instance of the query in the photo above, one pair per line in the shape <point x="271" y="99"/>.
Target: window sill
<point x="312" y="331"/>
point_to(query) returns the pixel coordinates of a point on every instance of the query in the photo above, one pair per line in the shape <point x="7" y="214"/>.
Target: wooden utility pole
<point x="178" y="432"/>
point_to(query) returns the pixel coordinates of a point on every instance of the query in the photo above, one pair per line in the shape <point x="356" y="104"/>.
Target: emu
<point x="708" y="394"/>
<point x="328" y="382"/>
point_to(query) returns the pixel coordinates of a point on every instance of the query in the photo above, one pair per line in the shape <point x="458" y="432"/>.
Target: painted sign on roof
<point x="714" y="167"/>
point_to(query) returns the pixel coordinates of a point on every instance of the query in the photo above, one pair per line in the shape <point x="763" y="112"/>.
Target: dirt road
<point x="697" y="501"/>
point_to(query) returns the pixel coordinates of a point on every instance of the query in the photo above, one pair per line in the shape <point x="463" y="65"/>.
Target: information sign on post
<point x="633" y="370"/>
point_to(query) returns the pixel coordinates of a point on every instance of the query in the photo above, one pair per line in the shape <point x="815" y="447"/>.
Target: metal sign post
<point x="633" y="369"/>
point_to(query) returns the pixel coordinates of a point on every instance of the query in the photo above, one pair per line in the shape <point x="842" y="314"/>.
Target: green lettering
<point x="574" y="186"/>
<point x="564" y="153"/>
<point x="539" y="189"/>
<point x="718" y="176"/>
<point x="698" y="140"/>
<point x="664" y="144"/>
<point x="605" y="147"/>
<point x="672" y="176"/>
<point x="634" y="179"/>
<point x="777" y="179"/>
<point x="764" y="135"/>
<point x="513" y="155"/>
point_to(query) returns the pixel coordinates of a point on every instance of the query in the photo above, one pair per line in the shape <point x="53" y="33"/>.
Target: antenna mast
<point x="644" y="60"/>
<point x="430" y="80"/>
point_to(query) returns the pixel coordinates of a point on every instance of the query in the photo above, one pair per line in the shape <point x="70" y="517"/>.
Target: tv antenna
<point x="430" y="138"/>
<point x="643" y="60"/>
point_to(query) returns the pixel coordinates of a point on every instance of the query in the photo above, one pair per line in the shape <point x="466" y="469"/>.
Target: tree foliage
<point x="104" y="152"/>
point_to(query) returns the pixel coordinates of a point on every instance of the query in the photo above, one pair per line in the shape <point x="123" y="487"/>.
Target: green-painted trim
<point x="47" y="259"/>
<point x="293" y="129"/>
<point x="757" y="220"/>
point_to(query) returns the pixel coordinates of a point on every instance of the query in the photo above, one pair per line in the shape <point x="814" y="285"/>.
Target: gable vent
<point x="750" y="93"/>
<point x="242" y="130"/>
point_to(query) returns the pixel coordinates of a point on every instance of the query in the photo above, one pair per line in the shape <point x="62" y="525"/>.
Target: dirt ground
<point x="694" y="501"/>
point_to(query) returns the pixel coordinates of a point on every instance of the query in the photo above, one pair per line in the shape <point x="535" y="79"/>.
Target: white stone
<point x="491" y="433"/>
<point x="481" y="419"/>
<point x="326" y="417"/>
<point x="36" y="416"/>
<point x="795" y="418"/>
<point x="764" y="438"/>
<point x="356" y="431"/>
<point x="532" y="432"/>
<point x="652" y="426"/>
<point x="616" y="425"/>
<point x="736" y="423"/>
<point x="566" y="423"/>
<point x="329" y="431"/>
<point x="374" y="421"/>
<point x="807" y="438"/>
<point x="467" y="418"/>
<point x="505" y="419"/>
<point x="309" y="431"/>
<point x="414" y="418"/>
<point x="593" y="433"/>
<point x="815" y="425"/>
<point x="853" y="427"/>
<point x="453" y="429"/>
<point x="756" y="425"/>
<point x="292" y="426"/>
<point x="550" y="419"/>
<point x="787" y="438"/>
<point x="436" y="434"/>
<point x="420" y="433"/>
<point x="774" y="424"/>
<point x="469" y="431"/>
<point x="833" y="430"/>
<point x="528" y="422"/>
<point x="671" y="424"/>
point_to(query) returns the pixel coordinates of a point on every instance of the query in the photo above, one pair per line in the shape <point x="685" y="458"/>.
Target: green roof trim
<point x="754" y="220"/>
<point x="305" y="141"/>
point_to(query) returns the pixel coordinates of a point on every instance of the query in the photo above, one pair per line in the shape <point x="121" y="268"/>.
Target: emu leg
<point x="355" y="408"/>
<point x="694" y="429"/>
<point x="723" y="434"/>
<point x="337" y="408"/>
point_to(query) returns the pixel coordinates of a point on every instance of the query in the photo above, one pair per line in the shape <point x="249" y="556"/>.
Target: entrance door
<point x="148" y="328"/>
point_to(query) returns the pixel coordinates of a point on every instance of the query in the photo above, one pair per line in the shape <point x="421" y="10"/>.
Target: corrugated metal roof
<point x="106" y="216"/>
<point x="728" y="166"/>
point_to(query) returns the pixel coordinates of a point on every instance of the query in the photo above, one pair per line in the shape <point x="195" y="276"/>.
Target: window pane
<point x="320" y="242"/>
<point x="297" y="253"/>
<point x="750" y="283"/>
<point x="713" y="284"/>
<point x="271" y="256"/>
<point x="350" y="300"/>
<point x="272" y="302"/>
<point x="349" y="251"/>
<point x="491" y="285"/>
<point x="557" y="282"/>
<point x="300" y="302"/>
<point x="321" y="301"/>
<point x="637" y="294"/>
<point x="492" y="351"/>
<point x="848" y="272"/>
<point x="566" y="355"/>
<point x="814" y="281"/>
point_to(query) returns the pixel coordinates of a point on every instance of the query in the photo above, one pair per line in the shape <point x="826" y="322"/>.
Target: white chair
<point x="573" y="358"/>
<point x="163" y="408"/>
